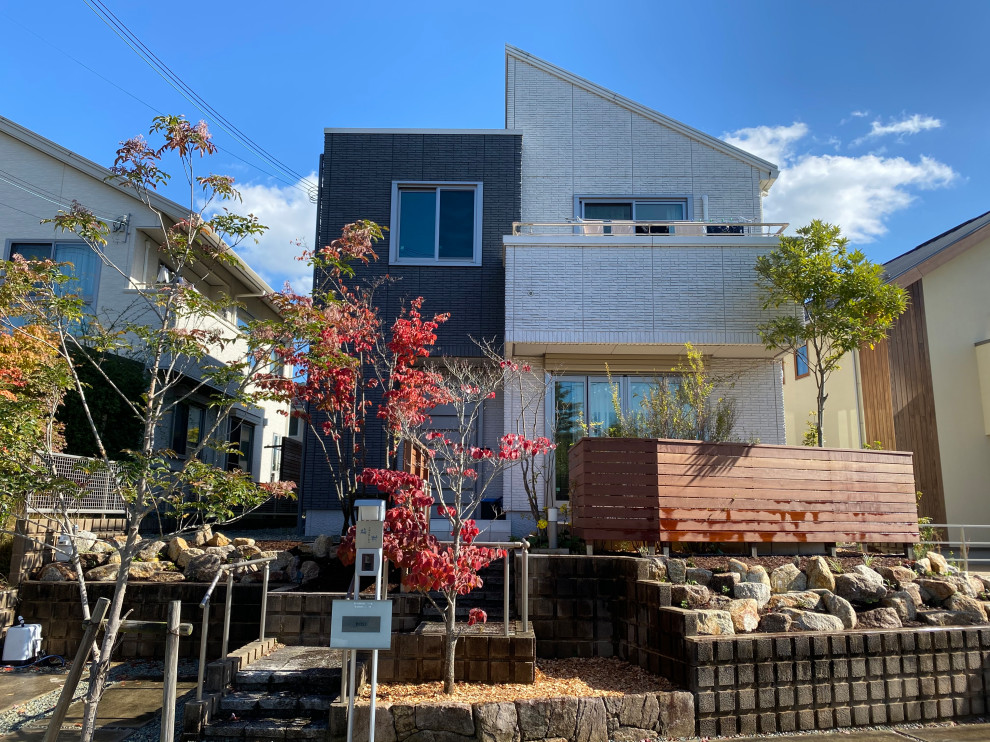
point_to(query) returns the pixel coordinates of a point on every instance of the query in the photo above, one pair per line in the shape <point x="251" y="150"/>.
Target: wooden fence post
<point x="171" y="671"/>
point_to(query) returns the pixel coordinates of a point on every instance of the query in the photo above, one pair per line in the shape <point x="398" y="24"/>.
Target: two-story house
<point x="37" y="178"/>
<point x="604" y="234"/>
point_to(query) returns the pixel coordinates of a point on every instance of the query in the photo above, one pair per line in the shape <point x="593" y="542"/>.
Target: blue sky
<point x="876" y="112"/>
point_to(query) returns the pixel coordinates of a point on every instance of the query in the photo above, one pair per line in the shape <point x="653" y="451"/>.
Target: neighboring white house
<point x="37" y="178"/>
<point x="638" y="234"/>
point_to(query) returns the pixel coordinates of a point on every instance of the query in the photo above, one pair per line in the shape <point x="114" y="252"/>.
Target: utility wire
<point x="153" y="109"/>
<point x="38" y="192"/>
<point x="139" y="48"/>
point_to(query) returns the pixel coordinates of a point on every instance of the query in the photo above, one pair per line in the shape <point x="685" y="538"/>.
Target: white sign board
<point x="368" y="534"/>
<point x="361" y="624"/>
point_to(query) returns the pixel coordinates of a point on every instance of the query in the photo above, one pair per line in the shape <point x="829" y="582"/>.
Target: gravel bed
<point x="40" y="708"/>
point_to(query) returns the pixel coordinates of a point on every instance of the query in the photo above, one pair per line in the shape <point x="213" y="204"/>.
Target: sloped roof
<point x="912" y="265"/>
<point x="169" y="208"/>
<point x="769" y="171"/>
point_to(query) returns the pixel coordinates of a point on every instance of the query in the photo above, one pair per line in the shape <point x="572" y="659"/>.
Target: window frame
<point x="52" y="246"/>
<point x="395" y="228"/>
<point x="180" y="425"/>
<point x="684" y="199"/>
<point x="807" y="362"/>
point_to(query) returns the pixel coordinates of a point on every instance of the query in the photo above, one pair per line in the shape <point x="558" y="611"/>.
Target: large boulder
<point x="897" y="575"/>
<point x="745" y="615"/>
<point x="175" y="547"/>
<point x="182" y="561"/>
<point x="788" y="578"/>
<point x="806" y="600"/>
<point x="923" y="567"/>
<point x="56" y="572"/>
<point x="902" y="602"/>
<point x="819" y="574"/>
<point x="972" y="609"/>
<point x="690" y="596"/>
<point x="758" y="574"/>
<point x="218" y="539"/>
<point x="740" y="568"/>
<point x="247" y="553"/>
<point x="203" y="568"/>
<point x="106" y="573"/>
<point x="810" y="621"/>
<point x="842" y="609"/>
<point x="936" y="592"/>
<point x="309" y="571"/>
<point x="755" y="590"/>
<point x="939" y="617"/>
<point x="322" y="546"/>
<point x="244" y="541"/>
<point x="284" y="560"/>
<point x="939" y="564"/>
<point x="699" y="576"/>
<point x="149" y="549"/>
<point x="143" y="570"/>
<point x="677" y="571"/>
<point x="715" y="623"/>
<point x="860" y="585"/>
<point x="497" y="722"/>
<point x="879" y="618"/>
<point x="446" y="717"/>
<point x="85" y="540"/>
<point x="776" y="623"/>
<point x="201" y="536"/>
<point x="166" y="576"/>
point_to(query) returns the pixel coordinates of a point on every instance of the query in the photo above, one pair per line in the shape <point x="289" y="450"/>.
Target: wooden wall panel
<point x="878" y="415"/>
<point x="913" y="401"/>
<point x="670" y="491"/>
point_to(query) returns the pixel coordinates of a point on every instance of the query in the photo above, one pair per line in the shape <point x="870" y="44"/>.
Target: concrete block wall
<point x="304" y="618"/>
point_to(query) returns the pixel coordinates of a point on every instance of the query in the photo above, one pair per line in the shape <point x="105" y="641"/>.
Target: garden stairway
<point x="285" y="695"/>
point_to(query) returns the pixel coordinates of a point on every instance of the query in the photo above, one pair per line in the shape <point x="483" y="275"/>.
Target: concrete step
<point x="283" y="705"/>
<point x="266" y="730"/>
<point x="304" y="670"/>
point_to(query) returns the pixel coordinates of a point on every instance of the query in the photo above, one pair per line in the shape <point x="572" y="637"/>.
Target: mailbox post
<point x="357" y="624"/>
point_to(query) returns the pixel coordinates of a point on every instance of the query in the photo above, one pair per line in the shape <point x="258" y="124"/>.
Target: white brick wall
<point x="576" y="142"/>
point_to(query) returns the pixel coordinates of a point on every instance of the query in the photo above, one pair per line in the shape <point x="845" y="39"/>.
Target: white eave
<point x="768" y="171"/>
<point x="252" y="281"/>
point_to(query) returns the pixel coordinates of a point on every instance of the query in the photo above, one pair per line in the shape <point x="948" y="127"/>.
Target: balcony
<point x="635" y="287"/>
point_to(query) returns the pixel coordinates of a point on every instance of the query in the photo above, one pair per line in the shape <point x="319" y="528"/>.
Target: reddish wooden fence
<point x="670" y="491"/>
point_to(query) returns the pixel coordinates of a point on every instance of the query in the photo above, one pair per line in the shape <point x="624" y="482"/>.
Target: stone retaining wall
<point x="480" y="658"/>
<point x="628" y="718"/>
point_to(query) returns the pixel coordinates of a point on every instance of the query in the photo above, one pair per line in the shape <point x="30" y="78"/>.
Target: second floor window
<point x="436" y="224"/>
<point x="83" y="265"/>
<point x="635" y="210"/>
<point x="801" y="362"/>
<point x="188" y="426"/>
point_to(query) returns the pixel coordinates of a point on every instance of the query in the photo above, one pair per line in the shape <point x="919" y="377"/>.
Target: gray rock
<point x="787" y="578"/>
<point x="497" y="722"/>
<point x="542" y="718"/>
<point x="923" y="566"/>
<point x="860" y="588"/>
<point x="715" y="623"/>
<point x="897" y="575"/>
<point x="143" y="570"/>
<point x="384" y="724"/>
<point x="819" y="575"/>
<point x="676" y="714"/>
<point x="758" y="574"/>
<point x="699" y="575"/>
<point x="740" y="568"/>
<point x="56" y="572"/>
<point x="694" y="596"/>
<point x="149" y="550"/>
<point x="963" y="585"/>
<point x="972" y="608"/>
<point x="677" y="571"/>
<point x="912" y="589"/>
<point x="101" y="547"/>
<point x="656" y="569"/>
<point x="322" y="546"/>
<point x="404" y="719"/>
<point x="85" y="540"/>
<point x="309" y="571"/>
<point x="745" y="615"/>
<point x="724" y="583"/>
<point x="935" y="592"/>
<point x="638" y="710"/>
<point x="810" y="621"/>
<point x="939" y="565"/>
<point x="284" y="560"/>
<point x="106" y="573"/>
<point x="902" y="602"/>
<point x="182" y="561"/>
<point x="202" y="568"/>
<point x="446" y="717"/>
<point x="879" y="618"/>
<point x="775" y="622"/>
<point x="632" y="734"/>
<point x="591" y="725"/>
<point x="943" y="618"/>
<point x="842" y="609"/>
<point x="755" y="590"/>
<point x="200" y="536"/>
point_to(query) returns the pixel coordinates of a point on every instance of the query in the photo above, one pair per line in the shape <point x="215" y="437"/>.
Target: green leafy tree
<point x="840" y="300"/>
<point x="173" y="331"/>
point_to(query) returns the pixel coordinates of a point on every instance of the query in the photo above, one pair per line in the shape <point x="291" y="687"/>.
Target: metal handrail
<point x="590" y="227"/>
<point x="204" y="606"/>
<point x="963" y="544"/>
<point x="510" y="546"/>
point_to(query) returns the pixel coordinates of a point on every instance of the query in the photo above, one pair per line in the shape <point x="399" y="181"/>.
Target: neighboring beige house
<point x="37" y="178"/>
<point x="927" y="388"/>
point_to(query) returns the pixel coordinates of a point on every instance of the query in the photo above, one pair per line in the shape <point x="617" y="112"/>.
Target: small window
<point x="436" y="224"/>
<point x="640" y="210"/>
<point x="242" y="439"/>
<point x="83" y="265"/>
<point x="801" y="362"/>
<point x="188" y="427"/>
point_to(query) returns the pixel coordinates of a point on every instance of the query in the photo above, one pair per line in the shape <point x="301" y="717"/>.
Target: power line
<point x="139" y="48"/>
<point x="39" y="192"/>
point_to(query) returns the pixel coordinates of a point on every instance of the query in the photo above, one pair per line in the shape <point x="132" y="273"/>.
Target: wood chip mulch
<point x="596" y="676"/>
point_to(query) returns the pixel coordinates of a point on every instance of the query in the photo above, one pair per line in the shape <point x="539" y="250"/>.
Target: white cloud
<point x="910" y="125"/>
<point x="857" y="193"/>
<point x="772" y="143"/>
<point x="291" y="219"/>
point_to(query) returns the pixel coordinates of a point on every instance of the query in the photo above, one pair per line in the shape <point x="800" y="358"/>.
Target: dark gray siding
<point x="357" y="170"/>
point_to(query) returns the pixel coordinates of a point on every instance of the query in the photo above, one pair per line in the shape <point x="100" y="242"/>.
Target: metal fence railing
<point x="953" y="536"/>
<point x="98" y="489"/>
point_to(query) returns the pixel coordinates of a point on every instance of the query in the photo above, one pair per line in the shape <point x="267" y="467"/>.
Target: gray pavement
<point x="959" y="733"/>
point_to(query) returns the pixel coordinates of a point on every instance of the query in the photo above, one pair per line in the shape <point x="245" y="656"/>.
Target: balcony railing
<point x="619" y="228"/>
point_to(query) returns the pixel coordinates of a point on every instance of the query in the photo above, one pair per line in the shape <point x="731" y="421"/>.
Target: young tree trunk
<point x="449" y="643"/>
<point x="100" y="669"/>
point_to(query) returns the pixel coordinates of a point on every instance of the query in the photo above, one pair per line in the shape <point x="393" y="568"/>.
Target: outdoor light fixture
<point x="373" y="510"/>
